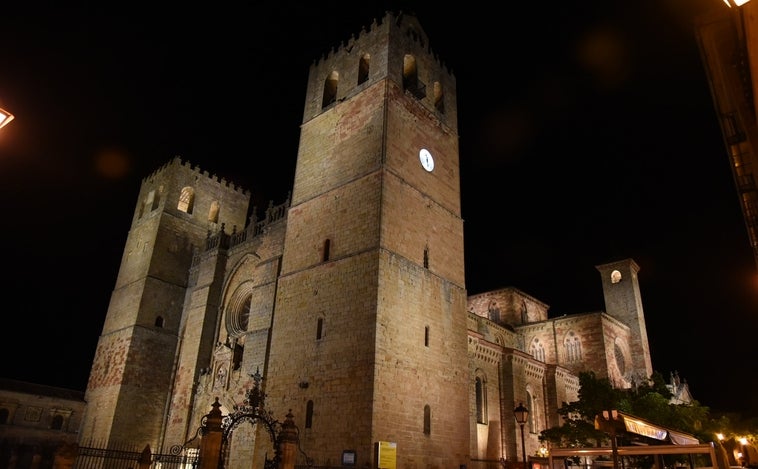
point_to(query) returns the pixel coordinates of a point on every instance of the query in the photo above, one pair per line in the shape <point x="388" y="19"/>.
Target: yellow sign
<point x="387" y="457"/>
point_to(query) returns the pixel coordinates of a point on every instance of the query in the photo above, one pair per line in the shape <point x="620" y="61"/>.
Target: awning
<point x="635" y="426"/>
<point x="679" y="438"/>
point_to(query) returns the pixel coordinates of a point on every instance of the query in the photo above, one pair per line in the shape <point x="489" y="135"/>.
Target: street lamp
<point x="745" y="455"/>
<point x="5" y="117"/>
<point x="522" y="414"/>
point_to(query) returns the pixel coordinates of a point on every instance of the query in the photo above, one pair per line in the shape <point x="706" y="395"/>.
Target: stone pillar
<point x="288" y="439"/>
<point x="210" y="443"/>
<point x="145" y="459"/>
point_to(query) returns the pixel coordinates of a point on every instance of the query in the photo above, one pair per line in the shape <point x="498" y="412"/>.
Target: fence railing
<point x="100" y="458"/>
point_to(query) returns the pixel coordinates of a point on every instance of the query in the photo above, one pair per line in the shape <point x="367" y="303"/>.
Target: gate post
<point x="288" y="439"/>
<point x="145" y="458"/>
<point x="210" y="443"/>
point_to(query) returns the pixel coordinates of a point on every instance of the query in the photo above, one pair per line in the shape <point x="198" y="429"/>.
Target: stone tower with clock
<point x="623" y="301"/>
<point x="373" y="257"/>
<point x="346" y="303"/>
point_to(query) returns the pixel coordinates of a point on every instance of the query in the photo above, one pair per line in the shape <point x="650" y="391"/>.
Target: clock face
<point x="427" y="161"/>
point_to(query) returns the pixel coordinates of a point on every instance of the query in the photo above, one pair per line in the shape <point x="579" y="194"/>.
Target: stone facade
<point x="35" y="422"/>
<point x="348" y="297"/>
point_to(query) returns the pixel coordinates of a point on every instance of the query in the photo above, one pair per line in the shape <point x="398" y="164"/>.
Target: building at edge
<point x="348" y="298"/>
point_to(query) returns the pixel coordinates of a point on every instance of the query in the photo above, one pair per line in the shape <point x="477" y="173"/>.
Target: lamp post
<point x="610" y="416"/>
<point x="522" y="414"/>
<point x="5" y="117"/>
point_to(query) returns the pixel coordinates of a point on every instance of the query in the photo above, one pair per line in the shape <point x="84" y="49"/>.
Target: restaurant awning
<point x="641" y="430"/>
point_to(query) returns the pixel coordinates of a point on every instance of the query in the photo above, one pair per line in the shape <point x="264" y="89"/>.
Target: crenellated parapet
<point x="193" y="171"/>
<point x="380" y="27"/>
<point x="393" y="48"/>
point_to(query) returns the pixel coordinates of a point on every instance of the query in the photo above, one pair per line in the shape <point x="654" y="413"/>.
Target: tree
<point x="578" y="429"/>
<point x="650" y="401"/>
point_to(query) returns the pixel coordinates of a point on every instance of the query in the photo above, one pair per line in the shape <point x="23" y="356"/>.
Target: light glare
<point x="5" y="118"/>
<point x="736" y="3"/>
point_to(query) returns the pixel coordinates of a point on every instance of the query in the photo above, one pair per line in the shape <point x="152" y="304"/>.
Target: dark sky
<point x="587" y="135"/>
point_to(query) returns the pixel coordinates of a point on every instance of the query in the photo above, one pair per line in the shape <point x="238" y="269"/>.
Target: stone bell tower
<point x="623" y="301"/>
<point x="369" y="340"/>
<point x="133" y="369"/>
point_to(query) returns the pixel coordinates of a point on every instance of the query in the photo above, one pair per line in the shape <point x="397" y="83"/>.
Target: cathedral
<point x="345" y="302"/>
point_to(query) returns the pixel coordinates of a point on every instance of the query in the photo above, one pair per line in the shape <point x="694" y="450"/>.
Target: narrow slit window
<point x="481" y="400"/>
<point x="156" y="200"/>
<point x="427" y="420"/>
<point x="327" y="248"/>
<point x="309" y="414"/>
<point x="532" y="418"/>
<point x="319" y="328"/>
<point x="426" y="336"/>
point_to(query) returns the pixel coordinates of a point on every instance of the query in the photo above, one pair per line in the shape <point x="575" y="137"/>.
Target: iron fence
<point x="101" y="458"/>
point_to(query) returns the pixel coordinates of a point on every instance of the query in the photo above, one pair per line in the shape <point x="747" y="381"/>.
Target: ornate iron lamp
<point x="522" y="414"/>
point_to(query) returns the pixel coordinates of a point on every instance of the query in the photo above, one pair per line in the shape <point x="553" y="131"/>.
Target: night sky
<point x="587" y="135"/>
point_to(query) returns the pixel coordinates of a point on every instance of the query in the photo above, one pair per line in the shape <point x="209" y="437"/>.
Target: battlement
<point x="186" y="165"/>
<point x="393" y="48"/>
<point x="382" y="26"/>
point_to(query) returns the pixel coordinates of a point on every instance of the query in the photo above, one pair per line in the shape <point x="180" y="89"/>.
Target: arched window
<point x="572" y="348"/>
<point x="481" y="399"/>
<point x="439" y="102"/>
<point x="159" y="321"/>
<point x="213" y="212"/>
<point x="330" y="89"/>
<point x="493" y="312"/>
<point x="411" y="83"/>
<point x="363" y="68"/>
<point x="187" y="200"/>
<point x="537" y="350"/>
